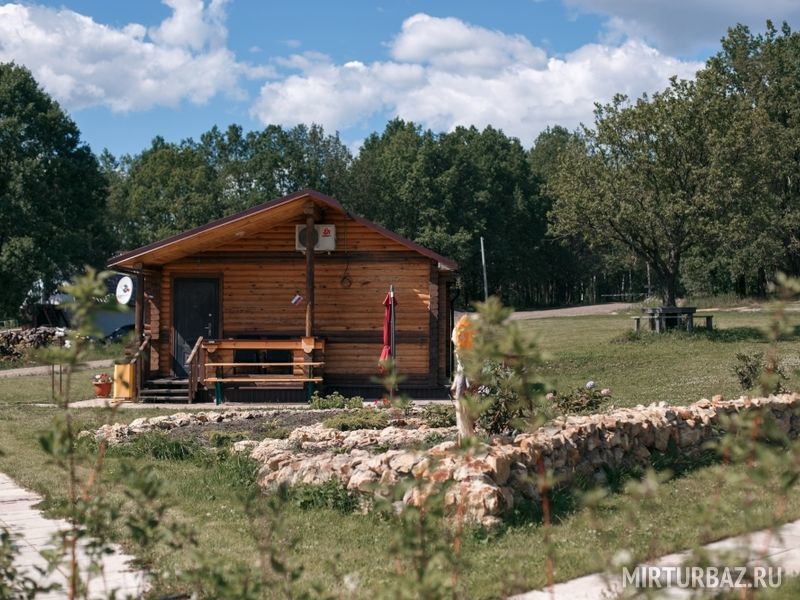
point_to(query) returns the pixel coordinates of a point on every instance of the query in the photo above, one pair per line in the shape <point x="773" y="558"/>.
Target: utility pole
<point x="483" y="262"/>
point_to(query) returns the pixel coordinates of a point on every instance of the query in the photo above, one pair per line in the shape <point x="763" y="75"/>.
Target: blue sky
<point x="128" y="71"/>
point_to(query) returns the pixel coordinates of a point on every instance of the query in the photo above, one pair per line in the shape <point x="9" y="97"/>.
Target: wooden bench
<point x="299" y="369"/>
<point x="283" y="381"/>
<point x="709" y="322"/>
<point x="637" y="323"/>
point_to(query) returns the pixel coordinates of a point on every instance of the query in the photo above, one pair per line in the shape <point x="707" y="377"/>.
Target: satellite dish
<point x="124" y="290"/>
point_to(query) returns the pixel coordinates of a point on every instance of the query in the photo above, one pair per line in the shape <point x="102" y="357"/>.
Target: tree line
<point x="691" y="190"/>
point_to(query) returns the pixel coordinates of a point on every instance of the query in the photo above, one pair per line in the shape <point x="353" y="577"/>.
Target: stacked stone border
<point x="490" y="478"/>
<point x="493" y="478"/>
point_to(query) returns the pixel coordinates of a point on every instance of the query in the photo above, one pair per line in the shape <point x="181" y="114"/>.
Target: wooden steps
<point x="165" y="389"/>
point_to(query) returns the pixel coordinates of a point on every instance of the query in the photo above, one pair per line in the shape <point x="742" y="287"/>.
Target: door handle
<point x="208" y="330"/>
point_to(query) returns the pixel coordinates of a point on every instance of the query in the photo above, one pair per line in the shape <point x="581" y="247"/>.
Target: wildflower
<point x="590" y="385"/>
<point x="605" y="392"/>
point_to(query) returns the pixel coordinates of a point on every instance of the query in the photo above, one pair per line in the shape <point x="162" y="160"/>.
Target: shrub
<point x="362" y="418"/>
<point x="581" y="401"/>
<point x="503" y="412"/>
<point x="336" y="400"/>
<point x="439" y="415"/>
<point x="749" y="370"/>
<point x="331" y="494"/>
<point x="221" y="439"/>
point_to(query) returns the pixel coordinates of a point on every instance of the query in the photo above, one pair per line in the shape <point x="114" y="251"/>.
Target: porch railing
<point x="141" y="366"/>
<point x="195" y="368"/>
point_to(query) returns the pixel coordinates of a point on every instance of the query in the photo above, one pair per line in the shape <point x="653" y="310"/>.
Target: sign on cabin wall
<point x="124" y="290"/>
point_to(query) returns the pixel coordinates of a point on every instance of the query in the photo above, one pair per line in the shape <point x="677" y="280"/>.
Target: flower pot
<point x="102" y="390"/>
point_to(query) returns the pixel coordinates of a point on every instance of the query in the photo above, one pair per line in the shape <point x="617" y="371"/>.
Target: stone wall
<point x="494" y="477"/>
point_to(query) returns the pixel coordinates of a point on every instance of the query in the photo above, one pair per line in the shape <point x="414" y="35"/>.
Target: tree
<point x="52" y="193"/>
<point x="446" y="191"/>
<point x="648" y="178"/>
<point x="761" y="74"/>
<point x="164" y="190"/>
<point x="170" y="187"/>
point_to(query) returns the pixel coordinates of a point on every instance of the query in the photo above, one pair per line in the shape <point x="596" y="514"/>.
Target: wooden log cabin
<point x="238" y="310"/>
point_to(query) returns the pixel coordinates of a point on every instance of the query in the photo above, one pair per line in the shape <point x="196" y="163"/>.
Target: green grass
<point x="676" y="367"/>
<point x="703" y="504"/>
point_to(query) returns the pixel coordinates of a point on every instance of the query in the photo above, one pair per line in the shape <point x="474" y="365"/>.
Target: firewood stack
<point x="14" y="343"/>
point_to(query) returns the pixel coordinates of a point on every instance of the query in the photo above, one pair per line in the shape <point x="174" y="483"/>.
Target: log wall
<point x="260" y="274"/>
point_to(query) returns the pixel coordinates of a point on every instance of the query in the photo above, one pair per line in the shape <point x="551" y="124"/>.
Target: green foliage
<point x="749" y="370"/>
<point x="503" y="413"/>
<point x="335" y="400"/>
<point x="52" y="194"/>
<point x="504" y="363"/>
<point x="13" y="584"/>
<point x="331" y="494"/>
<point x="159" y="446"/>
<point x="580" y="401"/>
<point x="363" y="418"/>
<point x="646" y="179"/>
<point x="169" y="187"/>
<point x="224" y="439"/>
<point x="439" y="415"/>
<point x="424" y="547"/>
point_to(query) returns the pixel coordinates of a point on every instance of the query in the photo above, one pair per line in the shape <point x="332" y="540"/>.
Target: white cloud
<point x="84" y="63"/>
<point x="447" y="73"/>
<point x="684" y="26"/>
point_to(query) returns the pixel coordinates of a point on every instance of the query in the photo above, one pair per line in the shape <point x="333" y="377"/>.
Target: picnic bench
<point x="217" y="369"/>
<point x="661" y="318"/>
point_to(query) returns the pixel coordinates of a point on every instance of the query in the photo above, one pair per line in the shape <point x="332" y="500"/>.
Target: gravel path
<point x="573" y="311"/>
<point x="45" y="370"/>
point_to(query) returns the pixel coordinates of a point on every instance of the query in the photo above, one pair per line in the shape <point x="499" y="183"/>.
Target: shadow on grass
<point x="727" y="335"/>
<point x="569" y="499"/>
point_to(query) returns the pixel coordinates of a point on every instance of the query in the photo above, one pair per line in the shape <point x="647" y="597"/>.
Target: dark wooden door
<point x="195" y="313"/>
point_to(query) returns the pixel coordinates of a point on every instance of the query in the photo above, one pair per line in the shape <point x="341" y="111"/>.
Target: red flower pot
<point x="102" y="390"/>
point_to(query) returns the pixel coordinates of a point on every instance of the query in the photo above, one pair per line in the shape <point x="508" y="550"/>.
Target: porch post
<point x="311" y="212"/>
<point x="138" y="326"/>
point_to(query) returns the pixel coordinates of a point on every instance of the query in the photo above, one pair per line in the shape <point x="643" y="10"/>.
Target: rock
<point x="363" y="481"/>
<point x="244" y="446"/>
<point x="500" y="467"/>
<point x="404" y="462"/>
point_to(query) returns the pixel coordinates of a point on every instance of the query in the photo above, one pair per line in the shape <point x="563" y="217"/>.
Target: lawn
<point x="701" y="505"/>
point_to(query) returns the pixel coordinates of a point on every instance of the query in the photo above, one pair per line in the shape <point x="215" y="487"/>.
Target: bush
<point x="336" y="400"/>
<point x="581" y="401"/>
<point x="749" y="370"/>
<point x="221" y="439"/>
<point x="332" y="494"/>
<point x="439" y="415"/>
<point x="504" y="411"/>
<point x="362" y="418"/>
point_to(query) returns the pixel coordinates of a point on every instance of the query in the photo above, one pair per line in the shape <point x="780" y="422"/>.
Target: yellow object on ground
<point x="123" y="382"/>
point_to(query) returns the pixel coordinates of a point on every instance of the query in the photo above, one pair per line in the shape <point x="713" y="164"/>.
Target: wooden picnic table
<point x="661" y="318"/>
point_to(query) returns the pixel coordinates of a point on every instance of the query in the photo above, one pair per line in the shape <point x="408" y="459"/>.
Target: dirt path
<point x="574" y="311"/>
<point x="92" y="364"/>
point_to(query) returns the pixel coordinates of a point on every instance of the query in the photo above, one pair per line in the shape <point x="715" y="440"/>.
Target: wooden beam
<point x="310" y="212"/>
<point x="338" y="256"/>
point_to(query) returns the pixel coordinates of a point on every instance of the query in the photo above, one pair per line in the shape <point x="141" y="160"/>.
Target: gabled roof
<point x="249" y="221"/>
